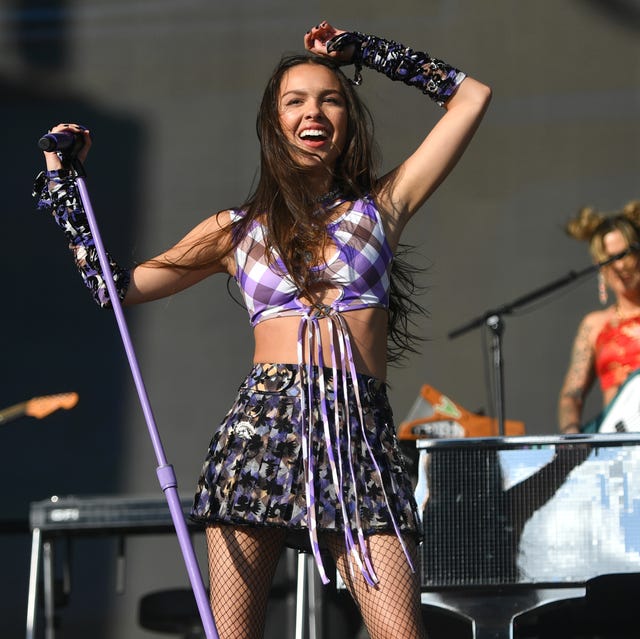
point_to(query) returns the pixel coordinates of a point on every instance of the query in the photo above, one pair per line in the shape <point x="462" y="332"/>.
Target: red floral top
<point x="618" y="351"/>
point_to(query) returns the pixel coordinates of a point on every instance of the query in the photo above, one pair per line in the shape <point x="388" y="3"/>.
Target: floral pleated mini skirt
<point x="255" y="472"/>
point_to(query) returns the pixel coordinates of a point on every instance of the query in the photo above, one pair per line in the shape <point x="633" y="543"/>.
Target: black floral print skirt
<point x="254" y="472"/>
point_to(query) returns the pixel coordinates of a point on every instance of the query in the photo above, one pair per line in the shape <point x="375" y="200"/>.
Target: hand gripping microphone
<point x="64" y="142"/>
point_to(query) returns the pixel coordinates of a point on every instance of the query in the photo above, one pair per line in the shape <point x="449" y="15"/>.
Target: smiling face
<point x="313" y="113"/>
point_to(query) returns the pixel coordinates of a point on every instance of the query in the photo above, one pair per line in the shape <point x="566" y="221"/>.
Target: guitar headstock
<point x="40" y="407"/>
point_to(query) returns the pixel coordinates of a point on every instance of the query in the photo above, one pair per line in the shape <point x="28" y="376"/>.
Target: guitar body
<point x="622" y="415"/>
<point x="435" y="416"/>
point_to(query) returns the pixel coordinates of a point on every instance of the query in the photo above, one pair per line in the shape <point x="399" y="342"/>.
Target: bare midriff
<point x="276" y="340"/>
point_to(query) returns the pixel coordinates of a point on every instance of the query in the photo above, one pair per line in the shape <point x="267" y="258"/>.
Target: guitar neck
<point x="8" y="414"/>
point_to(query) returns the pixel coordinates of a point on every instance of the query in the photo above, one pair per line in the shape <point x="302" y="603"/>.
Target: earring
<point x="603" y="294"/>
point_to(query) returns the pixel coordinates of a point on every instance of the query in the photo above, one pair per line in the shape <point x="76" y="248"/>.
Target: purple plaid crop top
<point x="359" y="267"/>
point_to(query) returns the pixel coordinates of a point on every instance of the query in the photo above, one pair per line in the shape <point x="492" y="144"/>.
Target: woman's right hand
<point x="315" y="41"/>
<point x="53" y="161"/>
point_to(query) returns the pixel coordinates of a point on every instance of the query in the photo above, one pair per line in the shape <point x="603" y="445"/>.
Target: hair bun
<point x="585" y="223"/>
<point x="631" y="211"/>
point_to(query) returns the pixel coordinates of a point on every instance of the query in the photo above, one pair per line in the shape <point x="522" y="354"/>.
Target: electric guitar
<point x="38" y="407"/>
<point x="622" y="414"/>
<point x="435" y="416"/>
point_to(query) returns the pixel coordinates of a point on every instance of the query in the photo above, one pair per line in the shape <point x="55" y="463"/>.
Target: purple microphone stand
<point x="164" y="471"/>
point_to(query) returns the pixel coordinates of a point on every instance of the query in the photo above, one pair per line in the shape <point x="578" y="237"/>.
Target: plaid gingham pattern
<point x="359" y="268"/>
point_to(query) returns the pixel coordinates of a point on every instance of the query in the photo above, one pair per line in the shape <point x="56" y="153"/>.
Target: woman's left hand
<point x="315" y="41"/>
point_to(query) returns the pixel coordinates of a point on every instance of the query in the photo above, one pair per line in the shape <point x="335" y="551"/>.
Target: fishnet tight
<point x="242" y="563"/>
<point x="391" y="609"/>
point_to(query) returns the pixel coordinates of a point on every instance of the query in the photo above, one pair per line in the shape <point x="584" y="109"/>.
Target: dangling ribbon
<point x="342" y="366"/>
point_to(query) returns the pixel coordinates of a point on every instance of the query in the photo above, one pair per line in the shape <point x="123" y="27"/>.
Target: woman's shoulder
<point x="593" y="322"/>
<point x="220" y="221"/>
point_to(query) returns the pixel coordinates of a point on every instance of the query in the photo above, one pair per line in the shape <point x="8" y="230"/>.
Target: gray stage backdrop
<point x="170" y="90"/>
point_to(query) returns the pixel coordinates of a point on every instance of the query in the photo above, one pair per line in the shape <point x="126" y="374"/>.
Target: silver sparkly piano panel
<point x="548" y="511"/>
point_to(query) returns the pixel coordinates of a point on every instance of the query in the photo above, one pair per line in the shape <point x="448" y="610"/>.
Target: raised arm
<point x="465" y="100"/>
<point x="578" y="379"/>
<point x="407" y="187"/>
<point x="202" y="252"/>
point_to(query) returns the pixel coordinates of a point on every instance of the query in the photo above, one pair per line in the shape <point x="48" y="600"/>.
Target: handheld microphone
<point x="63" y="141"/>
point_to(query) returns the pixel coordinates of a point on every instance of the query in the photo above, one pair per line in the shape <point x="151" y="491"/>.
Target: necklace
<point x="623" y="315"/>
<point x="328" y="198"/>
<point x="326" y="202"/>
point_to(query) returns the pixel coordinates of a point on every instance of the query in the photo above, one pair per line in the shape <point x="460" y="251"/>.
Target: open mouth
<point x="314" y="137"/>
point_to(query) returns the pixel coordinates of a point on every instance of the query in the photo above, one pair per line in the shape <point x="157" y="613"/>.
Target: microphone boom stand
<point x="493" y="320"/>
<point x="165" y="472"/>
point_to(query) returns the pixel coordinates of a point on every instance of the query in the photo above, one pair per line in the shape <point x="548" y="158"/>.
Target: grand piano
<point x="513" y="524"/>
<point x="516" y="524"/>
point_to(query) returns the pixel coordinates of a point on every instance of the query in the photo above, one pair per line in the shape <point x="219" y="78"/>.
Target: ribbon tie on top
<point x="342" y="367"/>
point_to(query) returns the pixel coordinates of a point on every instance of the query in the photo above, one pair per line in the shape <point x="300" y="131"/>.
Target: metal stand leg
<point x="313" y="600"/>
<point x="47" y="575"/>
<point x="308" y="605"/>
<point x="33" y="583"/>
<point x="301" y="596"/>
<point x="496" y="326"/>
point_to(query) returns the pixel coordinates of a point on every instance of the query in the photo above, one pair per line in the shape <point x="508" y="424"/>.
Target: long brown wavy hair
<point x="281" y="201"/>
